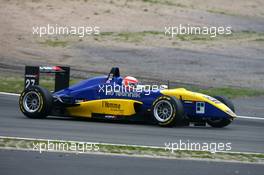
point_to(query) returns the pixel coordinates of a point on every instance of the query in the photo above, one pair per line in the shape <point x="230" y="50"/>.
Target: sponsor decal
<point x="128" y="94"/>
<point x="106" y="104"/>
<point x="200" y="107"/>
<point x="31" y="76"/>
<point x="79" y="100"/>
<point x="110" y="117"/>
<point x="50" y="69"/>
<point x="188" y="102"/>
<point x="212" y="99"/>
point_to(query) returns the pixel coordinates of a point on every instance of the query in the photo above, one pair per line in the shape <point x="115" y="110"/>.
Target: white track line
<point x="7" y="93"/>
<point x="241" y="117"/>
<point x="250" y="118"/>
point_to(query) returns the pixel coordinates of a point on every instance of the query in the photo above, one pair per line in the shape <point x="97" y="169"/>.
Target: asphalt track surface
<point x="61" y="163"/>
<point x="243" y="134"/>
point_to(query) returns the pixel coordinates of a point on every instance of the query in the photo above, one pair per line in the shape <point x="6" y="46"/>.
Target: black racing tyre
<point x="35" y="102"/>
<point x="226" y="101"/>
<point x="220" y="123"/>
<point x="167" y="111"/>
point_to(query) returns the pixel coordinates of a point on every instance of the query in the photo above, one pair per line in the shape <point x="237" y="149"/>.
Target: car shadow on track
<point x="125" y="122"/>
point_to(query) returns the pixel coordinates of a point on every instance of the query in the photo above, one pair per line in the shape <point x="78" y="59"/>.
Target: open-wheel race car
<point x="113" y="97"/>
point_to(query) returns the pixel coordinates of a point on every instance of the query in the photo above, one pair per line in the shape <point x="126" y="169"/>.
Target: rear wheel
<point x="219" y="123"/>
<point x="35" y="102"/>
<point x="167" y="111"/>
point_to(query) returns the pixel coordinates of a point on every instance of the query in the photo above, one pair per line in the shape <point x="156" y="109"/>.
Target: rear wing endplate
<point x="62" y="75"/>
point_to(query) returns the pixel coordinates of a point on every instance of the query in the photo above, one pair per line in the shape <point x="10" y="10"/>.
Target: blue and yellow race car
<point x="113" y="97"/>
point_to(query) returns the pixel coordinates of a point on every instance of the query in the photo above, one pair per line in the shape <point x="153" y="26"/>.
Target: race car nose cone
<point x="231" y="113"/>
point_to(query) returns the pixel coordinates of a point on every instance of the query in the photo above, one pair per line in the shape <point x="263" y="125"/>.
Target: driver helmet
<point x="130" y="82"/>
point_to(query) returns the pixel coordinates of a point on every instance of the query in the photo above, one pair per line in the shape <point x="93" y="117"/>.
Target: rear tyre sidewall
<point x="44" y="102"/>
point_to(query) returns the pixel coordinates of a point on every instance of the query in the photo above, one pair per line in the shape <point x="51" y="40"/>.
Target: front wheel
<point x="219" y="123"/>
<point x="35" y="102"/>
<point x="167" y="111"/>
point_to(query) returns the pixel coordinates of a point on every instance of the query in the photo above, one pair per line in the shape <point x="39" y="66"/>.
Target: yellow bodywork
<point x="186" y="95"/>
<point x="115" y="107"/>
<point x="125" y="107"/>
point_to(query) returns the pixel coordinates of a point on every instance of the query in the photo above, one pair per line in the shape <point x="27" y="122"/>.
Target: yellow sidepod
<point x="186" y="95"/>
<point x="122" y="107"/>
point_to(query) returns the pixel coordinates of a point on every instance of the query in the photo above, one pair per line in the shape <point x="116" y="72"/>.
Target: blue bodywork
<point x="91" y="90"/>
<point x="95" y="88"/>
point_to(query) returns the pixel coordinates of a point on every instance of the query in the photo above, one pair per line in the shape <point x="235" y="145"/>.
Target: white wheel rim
<point x="163" y="111"/>
<point x="31" y="102"/>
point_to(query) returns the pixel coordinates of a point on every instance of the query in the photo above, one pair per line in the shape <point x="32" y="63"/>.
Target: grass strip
<point x="134" y="150"/>
<point x="138" y="37"/>
<point x="54" y="43"/>
<point x="229" y="92"/>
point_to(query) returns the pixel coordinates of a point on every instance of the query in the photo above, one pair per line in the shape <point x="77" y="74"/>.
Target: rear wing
<point x="62" y="76"/>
